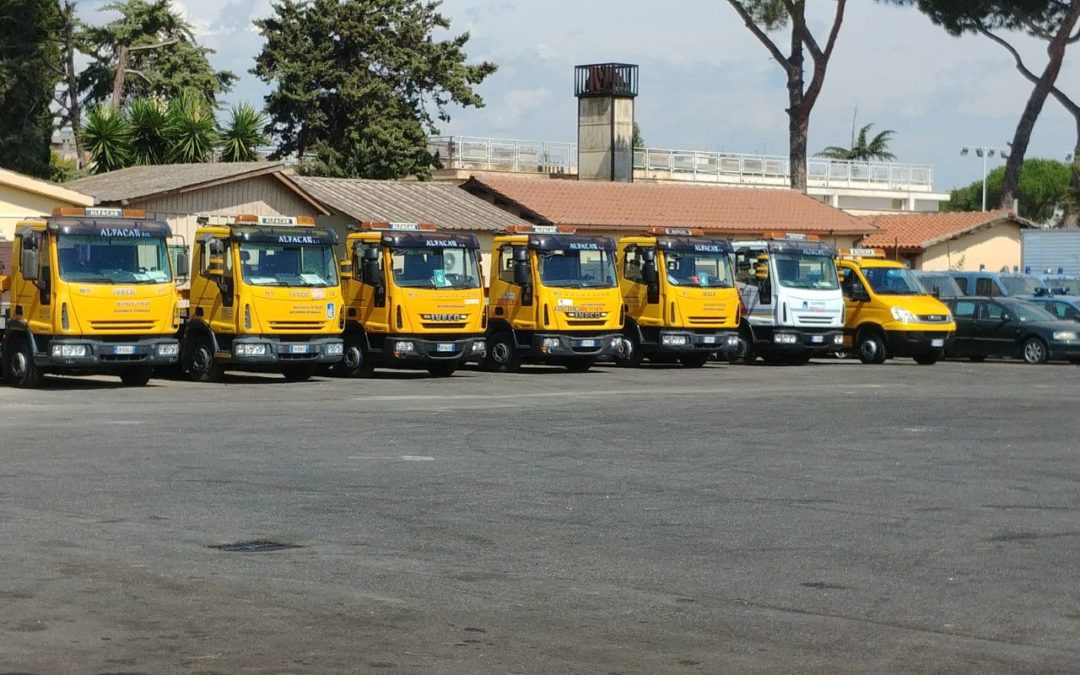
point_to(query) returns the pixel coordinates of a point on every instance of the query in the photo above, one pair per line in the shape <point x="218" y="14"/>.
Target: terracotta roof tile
<point x="919" y="230"/>
<point x="614" y="206"/>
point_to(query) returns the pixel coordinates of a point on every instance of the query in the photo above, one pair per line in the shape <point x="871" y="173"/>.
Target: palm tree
<point x="192" y="130"/>
<point x="148" y="120"/>
<point x="862" y="150"/>
<point x="242" y="136"/>
<point x="107" y="136"/>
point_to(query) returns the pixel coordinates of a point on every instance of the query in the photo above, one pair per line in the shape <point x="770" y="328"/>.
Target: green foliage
<point x="771" y="14"/>
<point x="360" y="83"/>
<point x="638" y="141"/>
<point x="62" y="170"/>
<point x="963" y="16"/>
<point x="107" y="136"/>
<point x="163" y="72"/>
<point x="191" y="129"/>
<point x="876" y="148"/>
<point x="30" y="62"/>
<point x="147" y="122"/>
<point x="1044" y="186"/>
<point x="243" y="134"/>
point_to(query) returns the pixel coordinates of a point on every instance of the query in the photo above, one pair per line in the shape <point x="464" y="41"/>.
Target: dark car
<point x="1064" y="307"/>
<point x="1010" y="327"/>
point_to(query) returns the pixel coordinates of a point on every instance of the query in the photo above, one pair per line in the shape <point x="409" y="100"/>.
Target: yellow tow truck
<point x="265" y="296"/>
<point x="414" y="298"/>
<point x="680" y="296"/>
<point x="554" y="298"/>
<point x="91" y="291"/>
<point x="888" y="313"/>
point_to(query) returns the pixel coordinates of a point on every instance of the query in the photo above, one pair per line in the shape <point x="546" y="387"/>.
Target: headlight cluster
<point x="252" y="349"/>
<point x="168" y="349"/>
<point x="903" y="316"/>
<point x="616" y="341"/>
<point x="1065" y="336"/>
<point x="785" y="338"/>
<point x="335" y="349"/>
<point x="838" y="339"/>
<point x="479" y="346"/>
<point x="549" y="343"/>
<point x="70" y="351"/>
<point x="674" y="340"/>
<point x="404" y="347"/>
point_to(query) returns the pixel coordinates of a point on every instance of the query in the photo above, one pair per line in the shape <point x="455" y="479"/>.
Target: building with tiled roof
<point x="968" y="241"/>
<point x="621" y="208"/>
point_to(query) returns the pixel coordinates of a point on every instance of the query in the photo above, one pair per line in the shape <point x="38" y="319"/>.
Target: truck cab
<point x="791" y="298"/>
<point x="91" y="291"/>
<point x="554" y="298"/>
<point x="889" y="313"/>
<point x="414" y="298"/>
<point x="679" y="291"/>
<point x="265" y="296"/>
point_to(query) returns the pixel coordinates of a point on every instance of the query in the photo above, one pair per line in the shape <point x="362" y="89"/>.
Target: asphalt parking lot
<point x="827" y="518"/>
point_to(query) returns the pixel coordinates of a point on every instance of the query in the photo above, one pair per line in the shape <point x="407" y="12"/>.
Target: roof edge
<point x="45" y="188"/>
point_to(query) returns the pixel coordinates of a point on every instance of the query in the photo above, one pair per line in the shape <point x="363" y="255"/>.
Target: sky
<point x="707" y="84"/>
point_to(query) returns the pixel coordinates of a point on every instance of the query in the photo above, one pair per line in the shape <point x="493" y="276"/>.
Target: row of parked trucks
<point x="95" y="290"/>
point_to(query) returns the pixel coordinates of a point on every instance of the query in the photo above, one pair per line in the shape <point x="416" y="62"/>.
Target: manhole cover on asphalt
<point x="256" y="546"/>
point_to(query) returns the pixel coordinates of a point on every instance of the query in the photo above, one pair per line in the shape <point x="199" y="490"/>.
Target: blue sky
<point x="707" y="84"/>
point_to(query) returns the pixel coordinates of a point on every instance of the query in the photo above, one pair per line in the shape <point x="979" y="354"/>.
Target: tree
<point x="1051" y="20"/>
<point x="1042" y="190"/>
<point x="863" y="150"/>
<point x="764" y="16"/>
<point x="242" y="136"/>
<point x="148" y="51"/>
<point x="359" y="84"/>
<point x="29" y="70"/>
<point x="638" y="141"/>
<point x="67" y="96"/>
<point x="108" y="138"/>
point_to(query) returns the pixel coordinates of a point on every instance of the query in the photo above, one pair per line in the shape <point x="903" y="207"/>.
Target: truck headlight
<point x="785" y="339"/>
<point x="733" y="341"/>
<point x="673" y="340"/>
<point x="70" y="351"/>
<point x="168" y="349"/>
<point x="1065" y="336"/>
<point x="549" y="343"/>
<point x="479" y="346"/>
<point x="404" y="346"/>
<point x="903" y="316"/>
<point x="335" y="349"/>
<point x="838" y="339"/>
<point x="252" y="349"/>
<point x="616" y="342"/>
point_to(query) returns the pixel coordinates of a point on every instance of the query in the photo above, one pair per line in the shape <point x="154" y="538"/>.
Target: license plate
<point x="818" y="339"/>
<point x="298" y="349"/>
<point x="710" y="340"/>
<point x="588" y="343"/>
<point x="937" y="343"/>
<point x="444" y="347"/>
<point x="124" y="349"/>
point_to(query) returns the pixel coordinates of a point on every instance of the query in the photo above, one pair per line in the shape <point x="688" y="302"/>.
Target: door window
<point x="992" y="311"/>
<point x="633" y="262"/>
<point x="964" y="309"/>
<point x="506" y="263"/>
<point x="985" y="286"/>
<point x="962" y="282"/>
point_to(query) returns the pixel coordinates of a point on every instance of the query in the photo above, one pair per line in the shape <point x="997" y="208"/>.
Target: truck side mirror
<point x="651" y="276"/>
<point x="28" y="261"/>
<point x="346" y="270"/>
<point x="183" y="264"/>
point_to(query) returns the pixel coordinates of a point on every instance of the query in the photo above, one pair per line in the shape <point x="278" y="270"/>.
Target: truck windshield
<point x="435" y="268"/>
<point x="698" y="270"/>
<point x="94" y="259"/>
<point x="1024" y="285"/>
<point x="893" y="281"/>
<point x="577" y="269"/>
<point x="797" y="270"/>
<point x="265" y="264"/>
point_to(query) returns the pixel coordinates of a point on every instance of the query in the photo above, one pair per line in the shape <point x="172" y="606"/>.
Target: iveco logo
<point x="122" y="232"/>
<point x="444" y="317"/>
<point x="586" y="315"/>
<point x="443" y="243"/>
<point x="296" y="239"/>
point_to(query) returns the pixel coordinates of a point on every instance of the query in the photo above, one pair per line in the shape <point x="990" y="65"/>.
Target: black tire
<point x="136" y="377"/>
<point x="355" y="361"/>
<point x="1035" y="351"/>
<point x="197" y="358"/>
<point x="502" y="354"/>
<point x="870" y="345"/>
<point x="579" y="365"/>
<point x="696" y="360"/>
<point x="19" y="365"/>
<point x="977" y="358"/>
<point x="630" y="355"/>
<point x="299" y="372"/>
<point x="928" y="358"/>
<point x="442" y="369"/>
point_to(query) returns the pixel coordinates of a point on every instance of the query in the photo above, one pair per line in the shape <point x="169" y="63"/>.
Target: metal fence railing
<point x="498" y="154"/>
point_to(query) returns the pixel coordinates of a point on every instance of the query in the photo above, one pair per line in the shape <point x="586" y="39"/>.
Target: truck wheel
<point x="442" y="369"/>
<point x="1035" y="351"/>
<point x="20" y="368"/>
<point x="871" y="347"/>
<point x="694" y="360"/>
<point x="927" y="358"/>
<point x="199" y="362"/>
<point x="630" y="354"/>
<point x="502" y="354"/>
<point x="354" y="362"/>
<point x="579" y="365"/>
<point x="136" y="377"/>
<point x="298" y="372"/>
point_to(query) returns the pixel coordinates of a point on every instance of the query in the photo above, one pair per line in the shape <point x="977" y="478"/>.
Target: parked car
<point x="1012" y="328"/>
<point x="939" y="284"/>
<point x="1064" y="307"/>
<point x="991" y="284"/>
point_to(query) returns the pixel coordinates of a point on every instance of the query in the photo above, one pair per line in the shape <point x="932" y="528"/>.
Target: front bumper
<point x="277" y="351"/>
<point x="558" y="346"/>
<point x="407" y="349"/>
<point x="915" y="342"/>
<point x="1064" y="351"/>
<point x="686" y="342"/>
<point x="801" y="339"/>
<point x="119" y="352"/>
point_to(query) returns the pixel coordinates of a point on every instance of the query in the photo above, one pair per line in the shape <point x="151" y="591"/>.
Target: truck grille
<point x="816" y="320"/>
<point x="585" y="323"/>
<point x="934" y="318"/>
<point x="122" y="358"/>
<point x="441" y="325"/>
<point x="122" y="325"/>
<point x="707" y="319"/>
<point x="296" y="325"/>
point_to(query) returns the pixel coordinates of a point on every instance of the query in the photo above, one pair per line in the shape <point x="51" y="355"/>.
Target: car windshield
<point x="435" y="268"/>
<point x="577" y="269"/>
<point x="1025" y="311"/>
<point x="945" y="285"/>
<point x="893" y="281"/>
<point x="698" y="270"/>
<point x="797" y="270"/>
<point x="265" y="264"/>
<point x="113" y="260"/>
<point x="1024" y="285"/>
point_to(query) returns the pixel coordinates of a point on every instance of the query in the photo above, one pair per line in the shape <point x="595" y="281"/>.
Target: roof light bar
<point x="393" y="227"/>
<point x="678" y="231"/>
<point x="852" y="253"/>
<point x="791" y="236"/>
<point x="540" y="229"/>
<point x="291" y="221"/>
<point x="98" y="212"/>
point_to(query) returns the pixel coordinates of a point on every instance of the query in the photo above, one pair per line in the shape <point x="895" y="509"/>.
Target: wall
<point x="605" y="129"/>
<point x="17" y="204"/>
<point x="995" y="247"/>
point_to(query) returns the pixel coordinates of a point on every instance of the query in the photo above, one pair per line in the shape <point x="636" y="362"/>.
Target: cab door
<point x="31" y="292"/>
<point x="631" y="265"/>
<point x="506" y="295"/>
<point x="369" y="286"/>
<point x="857" y="301"/>
<point x="965" y="342"/>
<point x="998" y="329"/>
